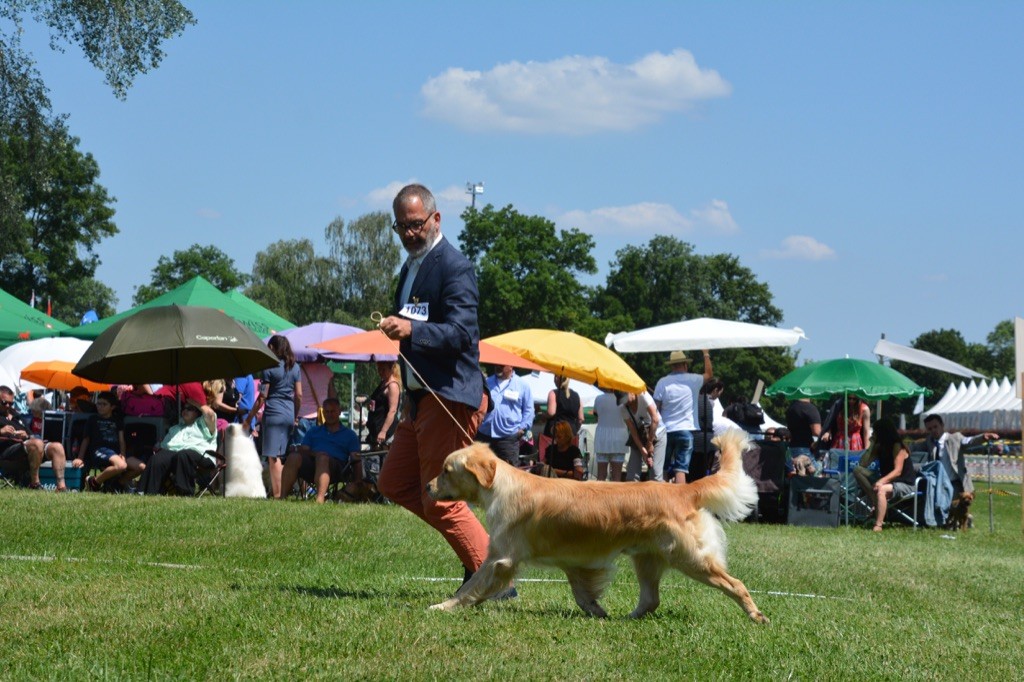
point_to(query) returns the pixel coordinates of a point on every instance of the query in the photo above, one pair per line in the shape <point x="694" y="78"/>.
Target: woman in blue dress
<point x="281" y="392"/>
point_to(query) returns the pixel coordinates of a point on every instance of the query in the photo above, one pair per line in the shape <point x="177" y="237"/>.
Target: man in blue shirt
<point x="511" y="415"/>
<point x="324" y="455"/>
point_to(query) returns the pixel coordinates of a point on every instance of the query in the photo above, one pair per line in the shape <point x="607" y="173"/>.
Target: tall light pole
<point x="474" y="188"/>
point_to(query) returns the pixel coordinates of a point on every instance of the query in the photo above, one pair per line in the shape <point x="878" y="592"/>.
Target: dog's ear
<point x="482" y="468"/>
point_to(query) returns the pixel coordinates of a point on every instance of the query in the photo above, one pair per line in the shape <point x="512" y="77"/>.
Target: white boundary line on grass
<point x="773" y="593"/>
<point x="156" y="564"/>
<point x="429" y="579"/>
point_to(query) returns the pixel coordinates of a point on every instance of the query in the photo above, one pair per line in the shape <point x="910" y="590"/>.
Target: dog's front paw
<point x="448" y="605"/>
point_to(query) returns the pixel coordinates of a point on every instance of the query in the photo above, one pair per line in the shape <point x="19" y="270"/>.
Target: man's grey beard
<point x="428" y="239"/>
<point x="418" y="251"/>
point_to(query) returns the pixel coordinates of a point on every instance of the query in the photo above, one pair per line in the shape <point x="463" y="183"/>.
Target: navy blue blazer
<point x="445" y="348"/>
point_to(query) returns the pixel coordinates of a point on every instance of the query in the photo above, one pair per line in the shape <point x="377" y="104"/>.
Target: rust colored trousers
<point x="416" y="457"/>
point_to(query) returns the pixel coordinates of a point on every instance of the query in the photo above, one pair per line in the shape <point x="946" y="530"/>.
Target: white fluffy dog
<point x="244" y="474"/>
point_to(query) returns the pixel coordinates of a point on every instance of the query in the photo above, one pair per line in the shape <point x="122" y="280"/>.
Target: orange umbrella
<point x="56" y="374"/>
<point x="374" y="342"/>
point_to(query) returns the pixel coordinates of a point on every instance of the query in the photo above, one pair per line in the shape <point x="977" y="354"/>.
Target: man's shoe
<point x="506" y="594"/>
<point x="509" y="592"/>
<point x="93" y="484"/>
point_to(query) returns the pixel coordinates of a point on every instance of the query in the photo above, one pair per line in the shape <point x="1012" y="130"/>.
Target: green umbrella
<point x="846" y="375"/>
<point x="174" y="344"/>
<point x="197" y="292"/>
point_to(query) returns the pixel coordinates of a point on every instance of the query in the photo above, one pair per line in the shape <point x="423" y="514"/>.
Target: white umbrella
<point x="700" y="333"/>
<point x="18" y="356"/>
<point x="888" y="349"/>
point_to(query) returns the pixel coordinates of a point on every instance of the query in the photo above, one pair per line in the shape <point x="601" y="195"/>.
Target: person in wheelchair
<point x="329" y="453"/>
<point x="189" y="446"/>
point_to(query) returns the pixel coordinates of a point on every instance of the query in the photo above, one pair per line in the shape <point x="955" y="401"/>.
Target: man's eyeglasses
<point x="411" y="225"/>
<point x="6" y="403"/>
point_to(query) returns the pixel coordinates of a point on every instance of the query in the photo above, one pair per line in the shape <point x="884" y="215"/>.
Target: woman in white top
<point x="646" y="435"/>
<point x="609" y="436"/>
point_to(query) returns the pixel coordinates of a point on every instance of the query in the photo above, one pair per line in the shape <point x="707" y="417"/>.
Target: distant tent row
<point x="987" y="407"/>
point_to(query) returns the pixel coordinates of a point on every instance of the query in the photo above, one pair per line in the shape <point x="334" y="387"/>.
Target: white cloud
<point x="801" y="247"/>
<point x="647" y="217"/>
<point x="575" y="95"/>
<point x="209" y="213"/>
<point x="382" y="197"/>
<point x="715" y="217"/>
<point x="453" y="194"/>
<point x="451" y="200"/>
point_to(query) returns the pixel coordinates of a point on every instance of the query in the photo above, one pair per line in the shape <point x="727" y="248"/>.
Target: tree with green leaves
<point x="291" y="279"/>
<point x="87" y="294"/>
<point x="1001" y="351"/>
<point x="666" y="281"/>
<point x="527" y="272"/>
<point x="170" y="273"/>
<point x="121" y="38"/>
<point x="53" y="213"/>
<point x="367" y="257"/>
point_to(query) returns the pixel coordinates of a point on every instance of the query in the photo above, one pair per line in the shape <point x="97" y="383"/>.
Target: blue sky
<point x="861" y="158"/>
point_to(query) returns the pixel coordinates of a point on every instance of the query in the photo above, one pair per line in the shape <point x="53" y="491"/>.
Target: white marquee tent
<point x="985" y="406"/>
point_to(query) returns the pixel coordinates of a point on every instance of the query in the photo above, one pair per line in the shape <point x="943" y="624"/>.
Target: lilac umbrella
<point x="302" y="338"/>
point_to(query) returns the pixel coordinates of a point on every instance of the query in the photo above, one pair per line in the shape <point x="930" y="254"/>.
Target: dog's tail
<point x="729" y="494"/>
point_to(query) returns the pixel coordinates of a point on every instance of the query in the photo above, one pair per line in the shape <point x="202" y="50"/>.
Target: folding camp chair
<point x="900" y="506"/>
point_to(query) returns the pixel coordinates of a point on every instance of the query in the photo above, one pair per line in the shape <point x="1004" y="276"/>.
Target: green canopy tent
<point x="20" y="322"/>
<point x="197" y="292"/>
<point x="274" y="320"/>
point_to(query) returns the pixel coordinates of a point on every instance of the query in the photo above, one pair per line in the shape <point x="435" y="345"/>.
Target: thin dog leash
<point x="378" y="318"/>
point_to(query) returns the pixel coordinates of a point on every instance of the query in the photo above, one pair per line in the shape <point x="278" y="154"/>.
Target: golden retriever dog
<point x="959" y="518"/>
<point x="581" y="527"/>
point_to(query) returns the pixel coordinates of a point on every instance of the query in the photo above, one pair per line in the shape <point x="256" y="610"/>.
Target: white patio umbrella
<point x="701" y="333"/>
<point x="18" y="356"/>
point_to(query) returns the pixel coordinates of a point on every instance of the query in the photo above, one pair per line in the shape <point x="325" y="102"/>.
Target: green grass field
<point x="123" y="587"/>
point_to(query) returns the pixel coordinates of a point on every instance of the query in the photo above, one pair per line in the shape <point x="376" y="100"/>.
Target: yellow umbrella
<point x="573" y="356"/>
<point x="57" y="374"/>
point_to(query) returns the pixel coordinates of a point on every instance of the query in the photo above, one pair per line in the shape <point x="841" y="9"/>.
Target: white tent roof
<point x="702" y="332"/>
<point x="963" y="398"/>
<point x="1008" y="397"/>
<point x="988" y="406"/>
<point x="946" y="399"/>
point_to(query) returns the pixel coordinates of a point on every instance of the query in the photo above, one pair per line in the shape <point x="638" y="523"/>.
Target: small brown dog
<point x="959" y="518"/>
<point x="581" y="527"/>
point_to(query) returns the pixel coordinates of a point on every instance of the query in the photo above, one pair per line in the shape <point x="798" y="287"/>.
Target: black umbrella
<point x="171" y="345"/>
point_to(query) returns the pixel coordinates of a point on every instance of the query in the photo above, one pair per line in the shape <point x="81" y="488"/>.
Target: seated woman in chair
<point x="187" y="447"/>
<point x="563" y="459"/>
<point x="895" y="465"/>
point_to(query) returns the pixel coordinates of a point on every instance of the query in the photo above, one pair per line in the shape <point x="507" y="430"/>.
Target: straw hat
<point x="677" y="357"/>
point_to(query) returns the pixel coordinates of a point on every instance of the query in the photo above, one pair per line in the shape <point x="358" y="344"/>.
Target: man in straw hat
<point x="676" y="395"/>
